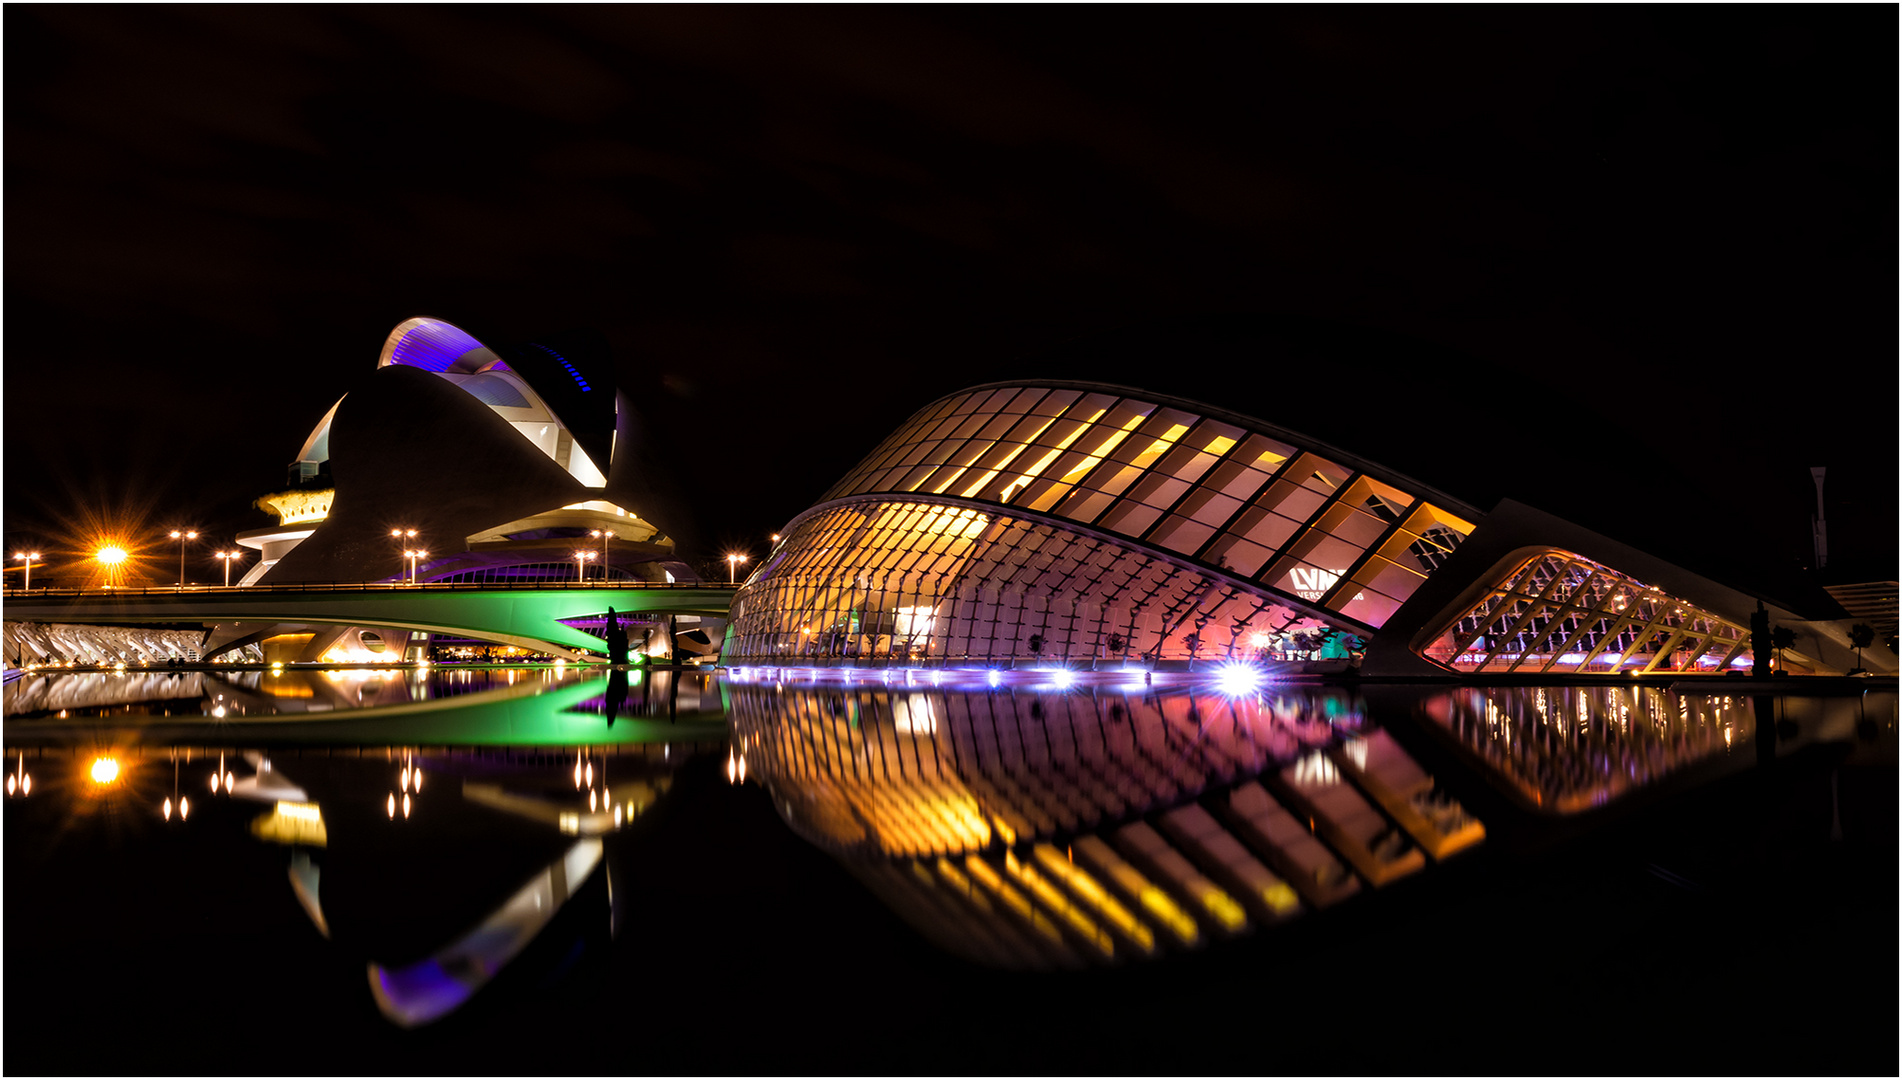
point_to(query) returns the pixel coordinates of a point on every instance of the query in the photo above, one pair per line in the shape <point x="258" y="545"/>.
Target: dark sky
<point x="1633" y="265"/>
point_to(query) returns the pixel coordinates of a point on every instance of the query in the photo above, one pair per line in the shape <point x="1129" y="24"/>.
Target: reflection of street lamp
<point x="226" y="557"/>
<point x="181" y="537"/>
<point x="604" y="534"/>
<point x="582" y="559"/>
<point x="27" y="557"/>
<point x="732" y="561"/>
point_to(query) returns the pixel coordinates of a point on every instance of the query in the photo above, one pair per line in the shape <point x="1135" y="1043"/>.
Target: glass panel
<point x="1056" y="401"/>
<point x="1269" y="530"/>
<point x="1238" y="555"/>
<point x="1208" y="507"/>
<point x="1288" y="500"/>
<point x="1384" y="501"/>
<point x="1325" y="551"/>
<point x="1084" y="505"/>
<point x="1180" y="534"/>
<point x="1129" y="518"/>
<point x="1236" y="480"/>
<point x="1370" y="607"/>
<point x="1159" y="490"/>
<point x="1262" y="453"/>
<point x="1317" y="474"/>
<point x="1356" y="528"/>
<point x="1395" y="581"/>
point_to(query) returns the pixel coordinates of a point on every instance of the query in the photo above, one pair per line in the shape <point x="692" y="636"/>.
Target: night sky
<point x="1634" y="266"/>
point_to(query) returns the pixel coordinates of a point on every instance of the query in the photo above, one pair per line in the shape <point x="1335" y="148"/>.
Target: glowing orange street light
<point x="27" y="557"/>
<point x="412" y="556"/>
<point x="732" y="561"/>
<point x="582" y="559"/>
<point x="226" y="557"/>
<point x="111" y="557"/>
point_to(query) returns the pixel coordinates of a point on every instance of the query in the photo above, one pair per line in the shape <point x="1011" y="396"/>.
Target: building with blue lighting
<point x="501" y="464"/>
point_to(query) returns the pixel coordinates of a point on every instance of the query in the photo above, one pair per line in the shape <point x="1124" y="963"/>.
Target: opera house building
<point x="457" y="462"/>
<point x="1049" y="522"/>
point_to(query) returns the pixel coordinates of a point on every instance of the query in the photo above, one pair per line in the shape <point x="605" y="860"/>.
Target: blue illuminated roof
<point x="430" y="344"/>
<point x="576" y="375"/>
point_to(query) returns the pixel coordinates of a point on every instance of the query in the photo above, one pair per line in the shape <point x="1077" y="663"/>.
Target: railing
<point x="358" y="586"/>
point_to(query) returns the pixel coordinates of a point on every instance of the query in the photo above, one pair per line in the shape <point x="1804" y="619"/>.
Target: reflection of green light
<point x="529" y="714"/>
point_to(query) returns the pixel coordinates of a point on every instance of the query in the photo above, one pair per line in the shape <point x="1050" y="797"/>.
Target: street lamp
<point x="226" y="557"/>
<point x="731" y="562"/>
<point x="411" y="557"/>
<point x="181" y="537"/>
<point x="582" y="559"/>
<point x="27" y="557"/>
<point x="398" y="535"/>
<point x="604" y="534"/>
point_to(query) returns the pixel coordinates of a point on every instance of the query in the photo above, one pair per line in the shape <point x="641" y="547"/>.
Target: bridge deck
<point x="529" y="616"/>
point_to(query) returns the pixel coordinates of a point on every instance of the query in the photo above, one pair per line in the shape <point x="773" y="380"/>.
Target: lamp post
<point x="732" y="561"/>
<point x="604" y="534"/>
<point x="582" y="559"/>
<point x="226" y="557"/>
<point x="181" y="537"/>
<point x="27" y="557"/>
<point x="399" y="535"/>
<point x="410" y="557"/>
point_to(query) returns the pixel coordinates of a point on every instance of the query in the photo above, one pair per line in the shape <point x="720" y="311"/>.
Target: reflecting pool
<point x="779" y="870"/>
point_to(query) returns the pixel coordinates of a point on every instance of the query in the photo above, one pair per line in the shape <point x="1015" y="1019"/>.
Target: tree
<point x="1194" y="642"/>
<point x="1117" y="644"/>
<point x="1861" y="635"/>
<point x="1782" y="638"/>
<point x="1036" y="644"/>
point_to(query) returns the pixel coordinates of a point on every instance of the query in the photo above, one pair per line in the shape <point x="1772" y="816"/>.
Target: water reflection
<point x="512" y="705"/>
<point x="510" y="840"/>
<point x="1051" y="829"/>
<point x="1021" y="824"/>
<point x="1567" y="749"/>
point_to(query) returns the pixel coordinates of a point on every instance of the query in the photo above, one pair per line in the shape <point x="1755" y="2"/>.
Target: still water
<point x="540" y="869"/>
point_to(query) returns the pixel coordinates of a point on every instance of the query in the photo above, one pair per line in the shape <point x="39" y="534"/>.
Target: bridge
<point x="527" y="616"/>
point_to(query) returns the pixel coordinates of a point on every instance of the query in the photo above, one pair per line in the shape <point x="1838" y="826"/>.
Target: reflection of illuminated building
<point x="492" y="914"/>
<point x="1568" y="749"/>
<point x="1018" y="830"/>
<point x="1087" y="524"/>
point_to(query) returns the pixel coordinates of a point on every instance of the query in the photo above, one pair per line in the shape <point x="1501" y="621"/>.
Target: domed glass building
<point x="1050" y="521"/>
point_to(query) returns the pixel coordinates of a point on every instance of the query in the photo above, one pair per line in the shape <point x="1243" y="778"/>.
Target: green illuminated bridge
<point x="529" y="617"/>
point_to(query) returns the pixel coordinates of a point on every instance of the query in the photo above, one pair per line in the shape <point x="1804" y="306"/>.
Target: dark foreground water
<point x="541" y="870"/>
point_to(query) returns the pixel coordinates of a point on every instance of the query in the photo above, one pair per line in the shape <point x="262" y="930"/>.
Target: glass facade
<point x="918" y="581"/>
<point x="1248" y="502"/>
<point x="988" y="508"/>
<point x="1562" y="613"/>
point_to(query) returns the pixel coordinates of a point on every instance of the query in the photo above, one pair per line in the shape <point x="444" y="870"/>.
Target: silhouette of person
<point x="617" y="640"/>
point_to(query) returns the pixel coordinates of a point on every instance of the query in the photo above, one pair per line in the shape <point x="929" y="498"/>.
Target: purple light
<point x="1236" y="679"/>
<point x="432" y="345"/>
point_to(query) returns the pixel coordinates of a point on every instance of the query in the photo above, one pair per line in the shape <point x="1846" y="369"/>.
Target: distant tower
<point x="1819" y="529"/>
